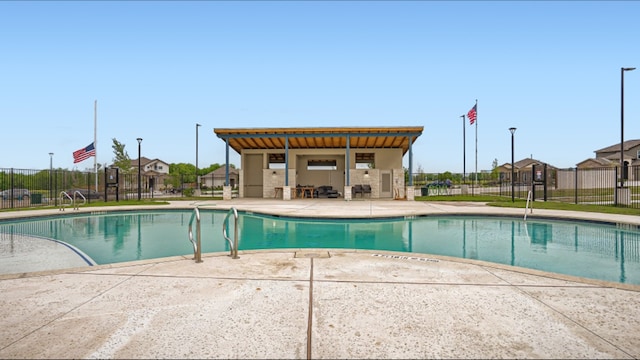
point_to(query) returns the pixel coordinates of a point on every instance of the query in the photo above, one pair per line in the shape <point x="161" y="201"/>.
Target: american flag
<point x="472" y="115"/>
<point x="84" y="153"/>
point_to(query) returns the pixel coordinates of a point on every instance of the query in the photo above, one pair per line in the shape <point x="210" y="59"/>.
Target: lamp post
<point x="50" y="176"/>
<point x="464" y="152"/>
<point x="197" y="180"/>
<point x="622" y="70"/>
<point x="513" y="185"/>
<point x="139" y="177"/>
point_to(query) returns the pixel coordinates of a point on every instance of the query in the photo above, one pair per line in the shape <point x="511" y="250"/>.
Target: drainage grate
<point x="312" y="254"/>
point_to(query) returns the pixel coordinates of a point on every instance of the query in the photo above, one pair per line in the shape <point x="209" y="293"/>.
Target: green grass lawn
<point x="502" y="201"/>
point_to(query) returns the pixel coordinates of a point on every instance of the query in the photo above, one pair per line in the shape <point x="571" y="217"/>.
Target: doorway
<point x="385" y="184"/>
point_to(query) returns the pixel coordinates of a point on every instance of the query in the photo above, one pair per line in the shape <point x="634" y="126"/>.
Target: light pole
<point x="50" y="176"/>
<point x="464" y="152"/>
<point x="139" y="177"/>
<point x="513" y="184"/>
<point x="197" y="180"/>
<point x="622" y="70"/>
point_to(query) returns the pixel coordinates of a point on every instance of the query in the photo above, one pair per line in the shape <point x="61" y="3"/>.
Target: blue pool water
<point x="586" y="249"/>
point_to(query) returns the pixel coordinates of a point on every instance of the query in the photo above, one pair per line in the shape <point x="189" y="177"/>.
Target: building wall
<point x="631" y="154"/>
<point x="587" y="178"/>
<point x="303" y="176"/>
<point x="258" y="180"/>
<point x="157" y="166"/>
<point x="251" y="175"/>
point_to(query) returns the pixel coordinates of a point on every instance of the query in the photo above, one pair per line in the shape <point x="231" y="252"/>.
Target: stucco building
<point x="278" y="162"/>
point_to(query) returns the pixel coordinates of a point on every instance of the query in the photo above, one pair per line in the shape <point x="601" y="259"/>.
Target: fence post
<point x="615" y="190"/>
<point x="55" y="192"/>
<point x="544" y="176"/>
<point x="576" y="186"/>
<point x="11" y="188"/>
<point x="533" y="183"/>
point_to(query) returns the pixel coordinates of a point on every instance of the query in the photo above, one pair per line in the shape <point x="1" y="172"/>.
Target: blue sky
<point x="551" y="69"/>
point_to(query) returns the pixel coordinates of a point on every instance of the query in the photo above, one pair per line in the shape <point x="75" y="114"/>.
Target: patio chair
<point x="366" y="189"/>
<point x="357" y="189"/>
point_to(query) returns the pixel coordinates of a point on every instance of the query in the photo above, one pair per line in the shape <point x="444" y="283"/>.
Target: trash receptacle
<point x="424" y="191"/>
<point x="36" y="199"/>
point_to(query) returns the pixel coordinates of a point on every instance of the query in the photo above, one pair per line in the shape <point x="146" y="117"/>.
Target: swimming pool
<point x="587" y="249"/>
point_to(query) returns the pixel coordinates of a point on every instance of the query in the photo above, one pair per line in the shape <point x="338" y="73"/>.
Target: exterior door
<point x="386" y="188"/>
<point x="252" y="175"/>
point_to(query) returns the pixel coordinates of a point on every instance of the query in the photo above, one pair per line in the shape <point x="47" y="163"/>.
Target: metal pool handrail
<point x="75" y="206"/>
<point x="62" y="196"/>
<point x="529" y="198"/>
<point x="197" y="251"/>
<point x="233" y="245"/>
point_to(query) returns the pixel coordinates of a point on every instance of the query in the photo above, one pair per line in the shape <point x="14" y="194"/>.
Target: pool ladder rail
<point x="527" y="206"/>
<point x="64" y="194"/>
<point x="197" y="243"/>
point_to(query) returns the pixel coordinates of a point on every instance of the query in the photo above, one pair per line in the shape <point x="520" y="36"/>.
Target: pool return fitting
<point x="197" y="244"/>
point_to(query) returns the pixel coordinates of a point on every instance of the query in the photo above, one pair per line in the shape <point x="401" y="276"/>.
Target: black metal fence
<point x="600" y="186"/>
<point x="21" y="188"/>
<point x="597" y="186"/>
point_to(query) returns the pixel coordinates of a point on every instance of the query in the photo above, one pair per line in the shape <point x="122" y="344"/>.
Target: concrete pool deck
<point x="315" y="303"/>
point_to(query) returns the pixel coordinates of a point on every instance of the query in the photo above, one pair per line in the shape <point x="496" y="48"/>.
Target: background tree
<point x="494" y="170"/>
<point x="182" y="169"/>
<point x="210" y="168"/>
<point x="181" y="173"/>
<point x="420" y="177"/>
<point x="121" y="158"/>
<point x="213" y="167"/>
<point x="447" y="175"/>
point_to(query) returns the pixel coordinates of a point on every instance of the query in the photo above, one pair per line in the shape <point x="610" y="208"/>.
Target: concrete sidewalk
<point x="319" y="303"/>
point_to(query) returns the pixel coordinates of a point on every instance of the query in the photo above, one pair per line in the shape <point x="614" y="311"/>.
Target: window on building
<point x="365" y="160"/>
<point x="322" y="165"/>
<point x="276" y="161"/>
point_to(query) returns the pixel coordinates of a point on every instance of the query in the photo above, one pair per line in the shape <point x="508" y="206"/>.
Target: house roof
<point x="599" y="161"/>
<point x="629" y="144"/>
<point x="321" y="137"/>
<point x="525" y="163"/>
<point x="152" y="172"/>
<point x="222" y="171"/>
<point x="144" y="161"/>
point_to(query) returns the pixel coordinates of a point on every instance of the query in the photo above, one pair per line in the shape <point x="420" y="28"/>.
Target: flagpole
<point x="464" y="151"/>
<point x="95" y="140"/>
<point x="476" y="142"/>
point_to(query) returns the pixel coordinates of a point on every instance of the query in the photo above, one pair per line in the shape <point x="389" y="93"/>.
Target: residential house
<point x="523" y="171"/>
<point x="630" y="149"/>
<point x="153" y="172"/>
<point x="591" y="163"/>
<point x="217" y="178"/>
<point x="609" y="157"/>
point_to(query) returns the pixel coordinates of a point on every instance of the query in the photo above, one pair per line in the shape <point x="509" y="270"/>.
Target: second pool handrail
<point x="75" y="204"/>
<point x="225" y="224"/>
<point x="197" y="250"/>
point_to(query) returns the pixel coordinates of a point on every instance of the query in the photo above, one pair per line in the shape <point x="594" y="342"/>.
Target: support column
<point x="410" y="192"/>
<point x="226" y="192"/>
<point x="347" y="192"/>
<point x="286" y="192"/>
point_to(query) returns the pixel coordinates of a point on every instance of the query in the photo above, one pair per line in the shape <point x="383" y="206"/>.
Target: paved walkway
<point x="318" y="303"/>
